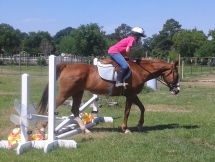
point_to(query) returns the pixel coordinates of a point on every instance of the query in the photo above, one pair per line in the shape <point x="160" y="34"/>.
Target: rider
<point x="122" y="48"/>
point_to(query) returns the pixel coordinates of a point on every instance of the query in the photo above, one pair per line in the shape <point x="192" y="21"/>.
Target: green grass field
<point x="177" y="128"/>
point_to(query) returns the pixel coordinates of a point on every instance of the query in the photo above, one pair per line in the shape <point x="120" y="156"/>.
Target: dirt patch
<point x="199" y="83"/>
<point x="8" y="93"/>
<point x="165" y="108"/>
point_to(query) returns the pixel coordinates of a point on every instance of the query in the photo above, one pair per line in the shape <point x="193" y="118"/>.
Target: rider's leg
<point x="120" y="78"/>
<point x="124" y="67"/>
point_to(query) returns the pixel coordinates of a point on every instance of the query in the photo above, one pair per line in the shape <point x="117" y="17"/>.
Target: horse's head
<point x="171" y="77"/>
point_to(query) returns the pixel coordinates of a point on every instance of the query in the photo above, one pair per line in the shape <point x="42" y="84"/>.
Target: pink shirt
<point x="121" y="46"/>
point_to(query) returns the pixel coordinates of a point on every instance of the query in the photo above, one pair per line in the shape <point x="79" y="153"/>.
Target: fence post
<point x="182" y="70"/>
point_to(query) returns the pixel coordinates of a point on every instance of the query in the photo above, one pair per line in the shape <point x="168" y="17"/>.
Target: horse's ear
<point x="176" y="63"/>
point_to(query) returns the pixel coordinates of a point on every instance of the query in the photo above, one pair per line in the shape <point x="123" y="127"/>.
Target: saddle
<point x="108" y="69"/>
<point x="112" y="62"/>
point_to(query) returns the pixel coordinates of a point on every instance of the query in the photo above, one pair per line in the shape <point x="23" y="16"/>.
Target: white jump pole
<point x="24" y="144"/>
<point x="95" y="103"/>
<point x="51" y="143"/>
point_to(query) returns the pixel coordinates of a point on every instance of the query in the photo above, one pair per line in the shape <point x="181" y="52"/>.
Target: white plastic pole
<point x="25" y="102"/>
<point x="52" y="97"/>
<point x="24" y="144"/>
<point x="95" y="103"/>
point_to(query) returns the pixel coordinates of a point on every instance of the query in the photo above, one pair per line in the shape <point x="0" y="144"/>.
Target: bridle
<point x="172" y="85"/>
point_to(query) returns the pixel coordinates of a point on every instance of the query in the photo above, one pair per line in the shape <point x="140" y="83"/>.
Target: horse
<point x="75" y="78"/>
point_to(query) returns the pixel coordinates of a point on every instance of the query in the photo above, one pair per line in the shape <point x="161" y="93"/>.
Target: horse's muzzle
<point x="175" y="89"/>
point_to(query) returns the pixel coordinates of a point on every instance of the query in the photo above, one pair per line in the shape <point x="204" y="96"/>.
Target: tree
<point x="10" y="39"/>
<point x="147" y="47"/>
<point x="206" y="50"/>
<point x="62" y="33"/>
<point x="171" y="27"/>
<point x="65" y="45"/>
<point x="88" y="40"/>
<point x="33" y="41"/>
<point x="121" y="32"/>
<point x="161" y="44"/>
<point x="187" y="42"/>
<point x="46" y="47"/>
<point x="211" y="34"/>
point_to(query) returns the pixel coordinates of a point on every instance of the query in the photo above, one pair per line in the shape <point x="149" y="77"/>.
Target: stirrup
<point x="121" y="84"/>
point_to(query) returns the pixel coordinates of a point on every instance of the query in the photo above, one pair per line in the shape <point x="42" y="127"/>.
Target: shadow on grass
<point x="146" y="129"/>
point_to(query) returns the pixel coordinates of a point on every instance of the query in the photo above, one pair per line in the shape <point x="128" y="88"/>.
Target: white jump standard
<point x="67" y="127"/>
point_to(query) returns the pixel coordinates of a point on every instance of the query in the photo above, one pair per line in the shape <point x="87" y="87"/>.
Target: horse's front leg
<point x="137" y="102"/>
<point x="75" y="110"/>
<point x="128" y="104"/>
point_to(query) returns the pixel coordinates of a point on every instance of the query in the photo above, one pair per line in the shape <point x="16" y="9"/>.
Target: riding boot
<point x="120" y="78"/>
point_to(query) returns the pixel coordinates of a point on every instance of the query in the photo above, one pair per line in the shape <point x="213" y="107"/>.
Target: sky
<point x="55" y="15"/>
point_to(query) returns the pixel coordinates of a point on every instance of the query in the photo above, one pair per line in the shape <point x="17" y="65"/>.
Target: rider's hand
<point x="132" y="60"/>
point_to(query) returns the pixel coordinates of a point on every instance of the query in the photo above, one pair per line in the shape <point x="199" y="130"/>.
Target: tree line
<point x="92" y="40"/>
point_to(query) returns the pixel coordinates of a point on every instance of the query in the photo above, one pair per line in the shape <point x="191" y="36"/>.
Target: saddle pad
<point x="107" y="72"/>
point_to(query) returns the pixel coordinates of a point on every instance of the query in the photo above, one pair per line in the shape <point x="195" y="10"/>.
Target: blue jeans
<point x="119" y="59"/>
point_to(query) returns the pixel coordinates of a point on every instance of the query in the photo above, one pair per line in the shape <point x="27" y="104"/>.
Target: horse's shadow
<point x="146" y="129"/>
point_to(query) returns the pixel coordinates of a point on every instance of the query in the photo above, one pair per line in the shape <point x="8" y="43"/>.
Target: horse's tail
<point x="44" y="100"/>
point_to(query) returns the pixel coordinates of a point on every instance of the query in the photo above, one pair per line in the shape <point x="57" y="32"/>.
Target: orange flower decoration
<point x="86" y="119"/>
<point x="15" y="137"/>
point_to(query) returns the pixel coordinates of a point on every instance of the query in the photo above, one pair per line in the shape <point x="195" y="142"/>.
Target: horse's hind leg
<point x="59" y="101"/>
<point x="137" y="102"/>
<point x="126" y="114"/>
<point x="75" y="110"/>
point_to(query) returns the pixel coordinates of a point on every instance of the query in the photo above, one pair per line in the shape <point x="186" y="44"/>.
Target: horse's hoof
<point x="41" y="130"/>
<point x="139" y="128"/>
<point x="127" y="131"/>
<point x="86" y="132"/>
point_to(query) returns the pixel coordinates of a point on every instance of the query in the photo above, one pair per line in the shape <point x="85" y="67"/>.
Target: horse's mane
<point x="149" y="60"/>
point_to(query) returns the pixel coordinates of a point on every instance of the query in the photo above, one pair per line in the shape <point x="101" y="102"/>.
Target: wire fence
<point x="17" y="64"/>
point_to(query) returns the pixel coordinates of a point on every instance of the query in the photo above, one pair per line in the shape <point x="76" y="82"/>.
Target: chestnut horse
<point x="74" y="79"/>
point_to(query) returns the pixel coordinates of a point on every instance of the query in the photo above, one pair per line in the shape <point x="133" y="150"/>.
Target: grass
<point x="176" y="128"/>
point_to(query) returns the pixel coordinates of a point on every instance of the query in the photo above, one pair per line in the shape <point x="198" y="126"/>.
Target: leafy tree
<point x="171" y="27"/>
<point x="158" y="53"/>
<point x="65" y="45"/>
<point x="212" y="34"/>
<point x="173" y="56"/>
<point x="10" y="39"/>
<point x="187" y="42"/>
<point x="33" y="41"/>
<point x="121" y="32"/>
<point x="62" y="33"/>
<point x="46" y="47"/>
<point x="147" y="44"/>
<point x="206" y="50"/>
<point x="160" y="44"/>
<point x="88" y="40"/>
